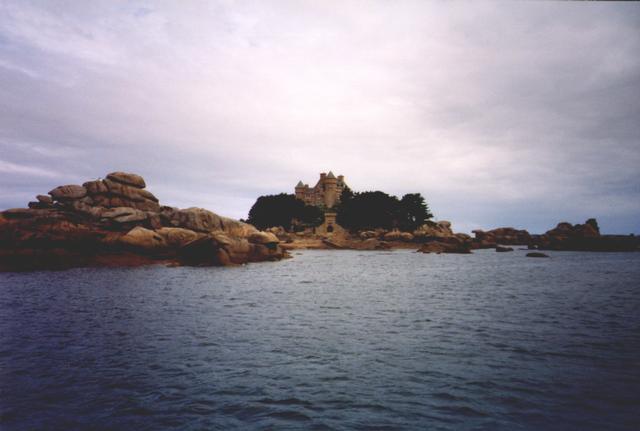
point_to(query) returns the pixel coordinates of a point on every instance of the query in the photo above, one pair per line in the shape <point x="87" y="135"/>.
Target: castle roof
<point x="330" y="175"/>
<point x="300" y="184"/>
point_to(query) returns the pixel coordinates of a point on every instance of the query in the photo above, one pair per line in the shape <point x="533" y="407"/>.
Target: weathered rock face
<point x="440" y="229"/>
<point x="263" y="238"/>
<point x="127" y="179"/>
<point x="144" y="239"/>
<point x="69" y="192"/>
<point x="178" y="237"/>
<point x="502" y="235"/>
<point x="104" y="220"/>
<point x="396" y="235"/>
<point x="44" y="199"/>
<point x="115" y="192"/>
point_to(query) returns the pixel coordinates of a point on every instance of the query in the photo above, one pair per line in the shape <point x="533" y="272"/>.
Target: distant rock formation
<point x="438" y="237"/>
<point x="116" y="221"/>
<point x="500" y="236"/>
<point x="583" y="237"/>
<point x="565" y="236"/>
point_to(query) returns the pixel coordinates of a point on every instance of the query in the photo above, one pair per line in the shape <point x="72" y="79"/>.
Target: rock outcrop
<point x="583" y="237"/>
<point x="565" y="236"/>
<point x="117" y="221"/>
<point x="500" y="236"/>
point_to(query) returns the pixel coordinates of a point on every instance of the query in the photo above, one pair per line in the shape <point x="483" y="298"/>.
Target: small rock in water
<point x="536" y="254"/>
<point x="501" y="249"/>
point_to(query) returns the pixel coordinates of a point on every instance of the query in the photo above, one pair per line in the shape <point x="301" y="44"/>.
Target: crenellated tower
<point x="330" y="190"/>
<point x="325" y="193"/>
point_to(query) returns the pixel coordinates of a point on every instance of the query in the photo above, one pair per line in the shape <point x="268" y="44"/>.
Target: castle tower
<point x="330" y="190"/>
<point x="300" y="191"/>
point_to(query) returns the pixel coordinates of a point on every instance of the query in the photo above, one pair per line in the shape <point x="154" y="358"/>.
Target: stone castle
<point x="326" y="193"/>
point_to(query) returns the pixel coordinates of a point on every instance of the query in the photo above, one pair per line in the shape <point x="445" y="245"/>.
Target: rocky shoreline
<point x="438" y="237"/>
<point x="117" y="222"/>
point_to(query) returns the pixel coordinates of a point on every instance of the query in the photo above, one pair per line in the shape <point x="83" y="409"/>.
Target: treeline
<point x="356" y="211"/>
<point x="284" y="210"/>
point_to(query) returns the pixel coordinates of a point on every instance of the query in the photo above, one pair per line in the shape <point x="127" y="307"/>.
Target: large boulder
<point x="127" y="179"/>
<point x="237" y="228"/>
<point x="44" y="199"/>
<point x="124" y="215"/>
<point x="196" y="219"/>
<point x="95" y="187"/>
<point x="68" y="192"/>
<point x="204" y="251"/>
<point x="367" y="234"/>
<point x="396" y="235"/>
<point x="177" y="237"/>
<point x="144" y="239"/>
<point x="263" y="238"/>
<point x="135" y="194"/>
<point x="440" y="229"/>
<point x="109" y="194"/>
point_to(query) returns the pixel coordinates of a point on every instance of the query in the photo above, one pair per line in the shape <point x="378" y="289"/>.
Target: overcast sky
<point x="516" y="114"/>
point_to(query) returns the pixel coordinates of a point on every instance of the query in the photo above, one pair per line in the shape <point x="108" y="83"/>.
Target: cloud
<point x="13" y="169"/>
<point x="519" y="114"/>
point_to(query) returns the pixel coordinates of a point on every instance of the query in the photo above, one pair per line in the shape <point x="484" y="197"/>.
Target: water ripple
<point x="334" y="340"/>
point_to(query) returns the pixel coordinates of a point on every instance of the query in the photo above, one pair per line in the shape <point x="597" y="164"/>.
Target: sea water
<point x="342" y="340"/>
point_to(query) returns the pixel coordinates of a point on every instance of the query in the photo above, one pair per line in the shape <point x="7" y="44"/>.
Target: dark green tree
<point x="413" y="212"/>
<point x="310" y="216"/>
<point x="282" y="210"/>
<point x="346" y="195"/>
<point x="368" y="210"/>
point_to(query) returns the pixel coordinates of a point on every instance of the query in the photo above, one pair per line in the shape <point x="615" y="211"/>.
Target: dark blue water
<point x="329" y="340"/>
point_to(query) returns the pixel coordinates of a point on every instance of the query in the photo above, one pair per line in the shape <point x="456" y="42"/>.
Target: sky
<point x="519" y="114"/>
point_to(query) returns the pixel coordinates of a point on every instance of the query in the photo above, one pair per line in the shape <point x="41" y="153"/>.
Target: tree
<point x="310" y="216"/>
<point x="413" y="212"/>
<point x="346" y="194"/>
<point x="368" y="210"/>
<point x="282" y="210"/>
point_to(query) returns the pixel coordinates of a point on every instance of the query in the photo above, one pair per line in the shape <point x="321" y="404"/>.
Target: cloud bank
<point x="500" y="114"/>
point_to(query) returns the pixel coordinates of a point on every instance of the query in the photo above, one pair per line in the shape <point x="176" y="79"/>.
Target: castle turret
<point x="330" y="190"/>
<point x="300" y="190"/>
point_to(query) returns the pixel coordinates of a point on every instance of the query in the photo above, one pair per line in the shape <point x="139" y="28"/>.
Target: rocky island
<point x="116" y="221"/>
<point x="438" y="237"/>
<point x="330" y="215"/>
